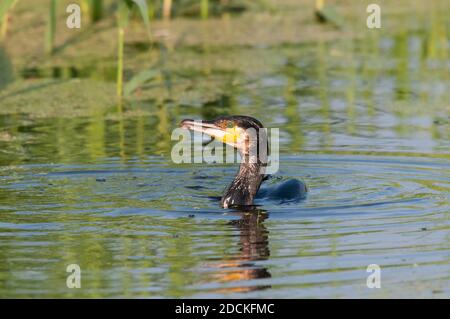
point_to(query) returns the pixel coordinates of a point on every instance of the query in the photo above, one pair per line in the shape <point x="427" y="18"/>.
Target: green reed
<point x="51" y="27"/>
<point x="204" y="9"/>
<point x="167" y="9"/>
<point x="96" y="10"/>
<point x="123" y="16"/>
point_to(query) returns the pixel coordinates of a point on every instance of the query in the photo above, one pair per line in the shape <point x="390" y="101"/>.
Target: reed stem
<point x="96" y="10"/>
<point x="167" y="8"/>
<point x="51" y="28"/>
<point x="204" y="8"/>
<point x="120" y="38"/>
<point x="319" y="4"/>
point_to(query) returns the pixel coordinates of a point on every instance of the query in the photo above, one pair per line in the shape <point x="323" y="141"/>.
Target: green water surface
<point x="365" y="123"/>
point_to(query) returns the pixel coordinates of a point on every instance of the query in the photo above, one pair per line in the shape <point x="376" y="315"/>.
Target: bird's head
<point x="244" y="133"/>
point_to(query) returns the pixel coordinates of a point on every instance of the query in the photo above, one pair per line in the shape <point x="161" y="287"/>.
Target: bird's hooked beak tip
<point x="186" y="123"/>
<point x="197" y="125"/>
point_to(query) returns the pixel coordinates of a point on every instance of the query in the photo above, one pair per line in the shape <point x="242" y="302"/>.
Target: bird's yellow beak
<point x="228" y="135"/>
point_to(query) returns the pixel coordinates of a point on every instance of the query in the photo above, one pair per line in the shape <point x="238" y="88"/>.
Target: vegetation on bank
<point x="192" y="57"/>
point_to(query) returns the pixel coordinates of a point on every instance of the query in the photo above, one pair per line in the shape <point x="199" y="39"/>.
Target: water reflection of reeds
<point x="374" y="87"/>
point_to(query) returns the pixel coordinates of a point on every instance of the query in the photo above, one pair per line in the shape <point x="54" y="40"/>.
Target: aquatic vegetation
<point x="136" y="81"/>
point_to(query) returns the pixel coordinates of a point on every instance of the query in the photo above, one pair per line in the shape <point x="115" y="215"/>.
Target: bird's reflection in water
<point x="253" y="246"/>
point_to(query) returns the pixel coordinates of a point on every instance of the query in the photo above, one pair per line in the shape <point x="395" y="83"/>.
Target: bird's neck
<point x="245" y="185"/>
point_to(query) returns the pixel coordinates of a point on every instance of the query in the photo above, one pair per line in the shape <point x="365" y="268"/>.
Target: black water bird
<point x="248" y="136"/>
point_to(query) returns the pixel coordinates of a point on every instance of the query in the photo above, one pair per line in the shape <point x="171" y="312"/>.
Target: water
<point x="367" y="130"/>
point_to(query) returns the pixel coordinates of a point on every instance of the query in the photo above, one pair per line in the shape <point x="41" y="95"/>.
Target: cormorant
<point x="245" y="134"/>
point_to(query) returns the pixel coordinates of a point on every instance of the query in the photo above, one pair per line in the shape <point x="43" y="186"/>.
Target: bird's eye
<point x="230" y="125"/>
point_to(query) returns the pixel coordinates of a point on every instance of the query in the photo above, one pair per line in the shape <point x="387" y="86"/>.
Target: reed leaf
<point x="123" y="17"/>
<point x="96" y="10"/>
<point x="139" y="79"/>
<point x="143" y="10"/>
